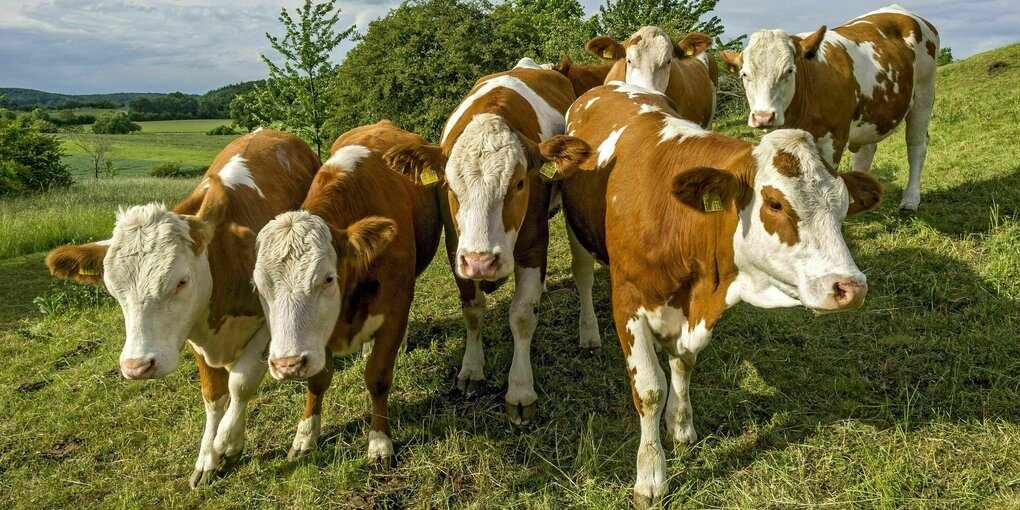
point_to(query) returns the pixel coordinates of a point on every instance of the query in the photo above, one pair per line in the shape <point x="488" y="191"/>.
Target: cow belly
<point x="226" y="344"/>
<point x="864" y="133"/>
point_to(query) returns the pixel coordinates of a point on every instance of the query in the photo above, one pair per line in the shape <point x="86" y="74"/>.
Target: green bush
<point x="29" y="160"/>
<point x="114" y="124"/>
<point x="175" y="169"/>
<point x="221" y="130"/>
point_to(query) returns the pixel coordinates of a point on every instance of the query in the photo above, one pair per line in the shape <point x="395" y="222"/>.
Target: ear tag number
<point x="607" y="53"/>
<point x="428" y="176"/>
<point x="712" y="201"/>
<point x="548" y="170"/>
<point x="87" y="272"/>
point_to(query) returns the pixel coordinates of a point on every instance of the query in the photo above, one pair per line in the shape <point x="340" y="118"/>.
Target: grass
<point x="912" y="401"/>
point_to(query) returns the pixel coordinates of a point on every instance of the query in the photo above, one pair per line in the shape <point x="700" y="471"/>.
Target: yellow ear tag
<point x="428" y="176"/>
<point x="548" y="170"/>
<point x="86" y="272"/>
<point x="607" y="53"/>
<point x="712" y="201"/>
<point x="690" y="52"/>
<point x="851" y="199"/>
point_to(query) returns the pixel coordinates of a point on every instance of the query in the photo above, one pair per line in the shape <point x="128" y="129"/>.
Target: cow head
<point x="302" y="267"/>
<point x="157" y="267"/>
<point x="788" y="244"/>
<point x="490" y="172"/>
<point x="647" y="55"/>
<point x="768" y="68"/>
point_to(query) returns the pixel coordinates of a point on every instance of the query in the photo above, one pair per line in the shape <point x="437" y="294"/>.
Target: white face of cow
<point x="649" y="57"/>
<point x="769" y="73"/>
<point x="487" y="173"/>
<point x="789" y="238"/>
<point x="159" y="273"/>
<point x="296" y="276"/>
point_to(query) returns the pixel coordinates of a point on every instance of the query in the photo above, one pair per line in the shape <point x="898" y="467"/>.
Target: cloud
<point x="73" y="46"/>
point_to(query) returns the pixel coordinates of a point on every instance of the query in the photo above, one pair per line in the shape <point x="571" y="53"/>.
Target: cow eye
<point x="520" y="185"/>
<point x="743" y="75"/>
<point x="775" y="206"/>
<point x="329" y="280"/>
<point x="181" y="284"/>
<point x="789" y="71"/>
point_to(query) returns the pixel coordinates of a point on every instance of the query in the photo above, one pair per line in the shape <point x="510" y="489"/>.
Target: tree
<point x="678" y="18"/>
<point x="114" y="124"/>
<point x="945" y="56"/>
<point x="95" y="146"/>
<point x="29" y="160"/>
<point x="297" y="92"/>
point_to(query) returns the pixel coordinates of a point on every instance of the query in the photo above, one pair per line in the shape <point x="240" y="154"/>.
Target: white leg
<point x="649" y="385"/>
<point x="679" y="412"/>
<point x="917" y="142"/>
<point x="245" y="376"/>
<point x="864" y="156"/>
<point x="520" y="394"/>
<point x="472" y="367"/>
<point x="208" y="461"/>
<point x="582" y="264"/>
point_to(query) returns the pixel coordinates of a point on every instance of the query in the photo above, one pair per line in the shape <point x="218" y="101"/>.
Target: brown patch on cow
<point x="778" y="216"/>
<point x="786" y="164"/>
<point x="692" y="45"/>
<point x="865" y="191"/>
<point x="638" y="404"/>
<point x="515" y="203"/>
<point x="582" y="78"/>
<point x="931" y="48"/>
<point x="81" y="263"/>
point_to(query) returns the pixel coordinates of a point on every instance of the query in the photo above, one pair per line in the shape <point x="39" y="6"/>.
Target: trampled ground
<point x="911" y="401"/>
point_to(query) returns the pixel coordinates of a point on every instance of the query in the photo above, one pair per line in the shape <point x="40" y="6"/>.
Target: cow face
<point x="302" y="268"/>
<point x="788" y="244"/>
<point x="768" y="68"/>
<point x="647" y="56"/>
<point x="157" y="267"/>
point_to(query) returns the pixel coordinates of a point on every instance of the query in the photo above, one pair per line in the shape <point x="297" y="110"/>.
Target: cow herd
<point x="278" y="255"/>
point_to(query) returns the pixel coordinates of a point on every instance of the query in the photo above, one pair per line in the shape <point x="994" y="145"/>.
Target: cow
<point x="582" y="78"/>
<point x="498" y="151"/>
<point x="184" y="276"/>
<point x="340" y="273"/>
<point x="684" y="71"/>
<point x="691" y="222"/>
<point x="849" y="87"/>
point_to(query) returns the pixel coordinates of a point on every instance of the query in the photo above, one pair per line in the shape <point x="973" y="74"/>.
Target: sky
<point x="192" y="46"/>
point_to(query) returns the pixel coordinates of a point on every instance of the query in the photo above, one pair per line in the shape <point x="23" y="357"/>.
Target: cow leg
<point x="520" y="395"/>
<point x="679" y="412"/>
<point x="245" y="377"/>
<point x="648" y="388"/>
<point x="472" y="368"/>
<point x="864" y="156"/>
<point x="307" y="436"/>
<point x="378" y="379"/>
<point x="214" y="395"/>
<point x="917" y="142"/>
<point x="582" y="264"/>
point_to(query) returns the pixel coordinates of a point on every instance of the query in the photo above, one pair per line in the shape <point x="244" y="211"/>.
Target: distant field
<point x="182" y="126"/>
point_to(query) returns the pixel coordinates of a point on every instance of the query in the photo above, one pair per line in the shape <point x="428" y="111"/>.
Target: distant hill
<point x="21" y="97"/>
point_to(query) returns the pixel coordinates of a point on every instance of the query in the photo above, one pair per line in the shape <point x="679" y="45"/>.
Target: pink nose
<point x="291" y="367"/>
<point x="849" y="293"/>
<point x="138" y="368"/>
<point x="479" y="265"/>
<point x="763" y="119"/>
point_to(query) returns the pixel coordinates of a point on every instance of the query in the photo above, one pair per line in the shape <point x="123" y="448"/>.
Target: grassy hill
<point x="912" y="401"/>
<point x="19" y="96"/>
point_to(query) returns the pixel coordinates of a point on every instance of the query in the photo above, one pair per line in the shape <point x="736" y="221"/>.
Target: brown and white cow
<point x="849" y="87"/>
<point x="495" y="209"/>
<point x="185" y="276"/>
<point x="692" y="222"/>
<point x="684" y="71"/>
<point x="340" y="273"/>
<point x="582" y="78"/>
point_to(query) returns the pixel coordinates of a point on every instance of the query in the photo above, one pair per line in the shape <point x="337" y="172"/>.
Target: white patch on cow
<point x="307" y="434"/>
<point x="472" y="367"/>
<point x="281" y="157"/>
<point x="649" y="384"/>
<point x="367" y="332"/>
<point x="257" y="130"/>
<point x="631" y="90"/>
<point x="207" y="458"/>
<point x="864" y="56"/>
<point x="649" y="59"/>
<point x="607" y="148"/>
<point x="527" y="63"/>
<point x="104" y="242"/>
<point x="825" y="148"/>
<point x="591" y="102"/>
<point x="348" y="157"/>
<point x="582" y="266"/>
<point x="550" y="120"/>
<point x="769" y="74"/>
<point x="648" y="108"/>
<point x="864" y="133"/>
<point x="528" y="289"/>
<point x="219" y="347"/>
<point x="245" y="375"/>
<point x="380" y="446"/>
<point x="675" y="128"/>
<point x="235" y="173"/>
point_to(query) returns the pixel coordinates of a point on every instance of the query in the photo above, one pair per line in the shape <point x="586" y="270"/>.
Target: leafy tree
<point x="29" y="160"/>
<point x="944" y="57"/>
<point x="114" y="124"/>
<point x="95" y="146"/>
<point x="297" y="92"/>
<point x="622" y="18"/>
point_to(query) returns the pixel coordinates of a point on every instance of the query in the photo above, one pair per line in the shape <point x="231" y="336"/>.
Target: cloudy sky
<point x="82" y="47"/>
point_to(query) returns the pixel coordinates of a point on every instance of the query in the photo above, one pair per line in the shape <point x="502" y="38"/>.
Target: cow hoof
<point x="521" y="414"/>
<point x="641" y="502"/>
<point x="593" y="351"/>
<point x="296" y="452"/>
<point x="201" y="478"/>
<point x="381" y="462"/>
<point x="468" y="387"/>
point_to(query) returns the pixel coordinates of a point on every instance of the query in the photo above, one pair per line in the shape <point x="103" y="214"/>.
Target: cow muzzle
<point x="763" y="119"/>
<point x="843" y="294"/>
<point x="480" y="265"/>
<point x="290" y="367"/>
<point x="138" y="368"/>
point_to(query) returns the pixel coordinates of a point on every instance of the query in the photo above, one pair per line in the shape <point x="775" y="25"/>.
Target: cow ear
<point x="606" y="48"/>
<point x="82" y="263"/>
<point x="806" y="48"/>
<point x="692" y="45"/>
<point x="556" y="158"/>
<point x="564" y="66"/>
<point x="363" y="241"/>
<point x="865" y="191"/>
<point x="733" y="60"/>
<point x="210" y="214"/>
<point x="706" y="189"/>
<point x="422" y="163"/>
